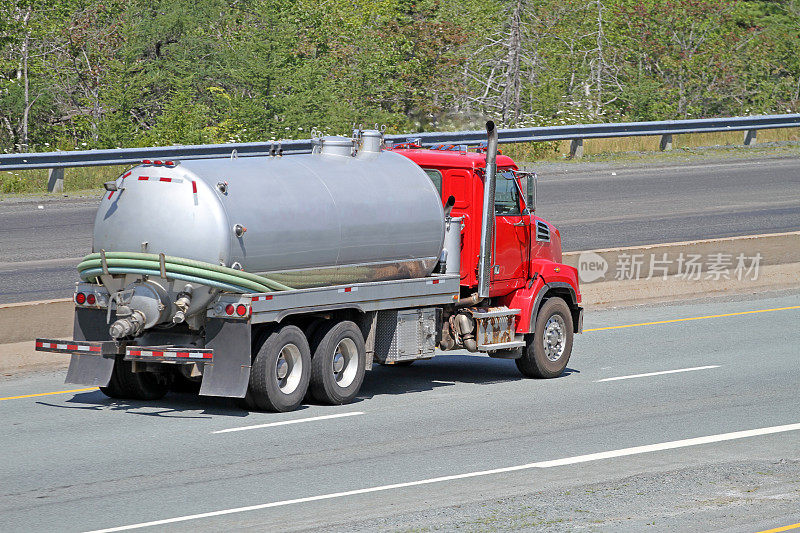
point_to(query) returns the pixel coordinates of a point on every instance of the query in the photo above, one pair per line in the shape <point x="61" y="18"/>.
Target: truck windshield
<point x="506" y="196"/>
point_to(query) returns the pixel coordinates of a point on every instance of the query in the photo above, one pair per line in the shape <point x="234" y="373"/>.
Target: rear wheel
<point x="337" y="367"/>
<point x="280" y="372"/>
<point x="127" y="384"/>
<point x="548" y="349"/>
<point x="183" y="382"/>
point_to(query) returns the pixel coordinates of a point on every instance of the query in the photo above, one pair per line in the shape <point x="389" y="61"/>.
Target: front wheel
<point x="548" y="349"/>
<point x="280" y="372"/>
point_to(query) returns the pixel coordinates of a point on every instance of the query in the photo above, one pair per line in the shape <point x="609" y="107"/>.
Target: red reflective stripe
<point x="194" y="187"/>
<point x="181" y="354"/>
<point x="435" y="282"/>
<point x="128" y="173"/>
<point x="268" y="297"/>
<point x="94" y="348"/>
<point x="39" y="344"/>
<point x="143" y="178"/>
<point x="348" y="289"/>
<point x="208" y="355"/>
<point x="135" y="352"/>
<point x="165" y="179"/>
<point x="72" y="346"/>
<point x="158" y="354"/>
<point x="110" y="195"/>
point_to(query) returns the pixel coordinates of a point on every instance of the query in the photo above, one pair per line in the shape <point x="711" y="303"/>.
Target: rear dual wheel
<point x="129" y="385"/>
<point x="338" y="363"/>
<point x="280" y="373"/>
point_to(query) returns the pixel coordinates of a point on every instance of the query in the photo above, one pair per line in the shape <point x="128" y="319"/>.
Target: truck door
<point x="512" y="232"/>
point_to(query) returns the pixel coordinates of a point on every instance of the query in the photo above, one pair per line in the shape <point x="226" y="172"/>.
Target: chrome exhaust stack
<point x="487" y="222"/>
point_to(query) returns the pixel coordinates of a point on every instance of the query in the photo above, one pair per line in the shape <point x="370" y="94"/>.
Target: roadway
<point x="455" y="442"/>
<point x="593" y="205"/>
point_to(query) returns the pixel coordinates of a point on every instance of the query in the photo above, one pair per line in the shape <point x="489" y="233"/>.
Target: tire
<point x="337" y="366"/>
<point x="182" y="383"/>
<point x="114" y="388"/>
<point x="127" y="384"/>
<point x="548" y="349"/>
<point x="280" y="372"/>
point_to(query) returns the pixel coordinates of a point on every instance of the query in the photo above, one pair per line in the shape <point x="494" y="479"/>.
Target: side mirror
<point x="529" y="182"/>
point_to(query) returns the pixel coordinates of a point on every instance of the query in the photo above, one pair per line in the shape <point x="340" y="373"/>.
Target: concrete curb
<point x="779" y="268"/>
<point x="25" y="321"/>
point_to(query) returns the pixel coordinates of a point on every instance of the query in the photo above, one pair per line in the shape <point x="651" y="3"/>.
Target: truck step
<point x="496" y="329"/>
<point x="502" y="345"/>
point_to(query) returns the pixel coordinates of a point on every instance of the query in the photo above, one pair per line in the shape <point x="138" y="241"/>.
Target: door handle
<point x="519" y="224"/>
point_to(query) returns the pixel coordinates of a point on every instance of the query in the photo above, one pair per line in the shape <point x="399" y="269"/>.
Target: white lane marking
<point x="658" y="373"/>
<point x="636" y="450"/>
<point x="287" y="422"/>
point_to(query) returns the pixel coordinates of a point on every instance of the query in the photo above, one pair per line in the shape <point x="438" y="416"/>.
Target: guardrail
<point x="56" y="162"/>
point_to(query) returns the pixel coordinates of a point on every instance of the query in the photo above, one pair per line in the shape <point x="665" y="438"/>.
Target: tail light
<point x="91" y="299"/>
<point x="241" y="310"/>
<point x="229" y="309"/>
<point x="80" y="298"/>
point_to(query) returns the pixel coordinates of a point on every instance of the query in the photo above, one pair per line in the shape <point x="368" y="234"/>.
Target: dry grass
<point x="75" y="179"/>
<point x="553" y="151"/>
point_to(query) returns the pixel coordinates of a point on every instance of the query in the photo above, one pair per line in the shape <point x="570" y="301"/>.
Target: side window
<point x="436" y="178"/>
<point x="506" y="195"/>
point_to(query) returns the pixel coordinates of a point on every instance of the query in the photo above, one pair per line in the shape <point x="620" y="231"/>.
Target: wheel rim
<point x="554" y="338"/>
<point x="289" y="368"/>
<point x="344" y="363"/>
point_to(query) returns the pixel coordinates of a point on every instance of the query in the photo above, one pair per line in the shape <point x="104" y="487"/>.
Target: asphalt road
<point x="455" y="442"/>
<point x="593" y="205"/>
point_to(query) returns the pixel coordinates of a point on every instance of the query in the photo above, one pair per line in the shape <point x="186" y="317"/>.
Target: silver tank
<point x="303" y="220"/>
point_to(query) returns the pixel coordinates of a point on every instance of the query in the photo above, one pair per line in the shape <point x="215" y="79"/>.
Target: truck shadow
<point x="442" y="371"/>
<point x="173" y="405"/>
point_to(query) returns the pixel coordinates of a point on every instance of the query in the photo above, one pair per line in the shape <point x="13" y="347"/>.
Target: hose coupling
<point x="129" y="326"/>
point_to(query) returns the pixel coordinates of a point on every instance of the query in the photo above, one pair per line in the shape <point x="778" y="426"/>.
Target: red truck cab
<point x="526" y="267"/>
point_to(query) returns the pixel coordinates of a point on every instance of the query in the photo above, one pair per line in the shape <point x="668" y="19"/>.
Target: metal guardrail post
<point x="666" y="142"/>
<point x="750" y="137"/>
<point x="55" y="180"/>
<point x="576" y="148"/>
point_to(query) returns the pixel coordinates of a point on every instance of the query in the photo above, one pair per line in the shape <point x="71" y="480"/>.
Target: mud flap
<point x="92" y="370"/>
<point x="229" y="373"/>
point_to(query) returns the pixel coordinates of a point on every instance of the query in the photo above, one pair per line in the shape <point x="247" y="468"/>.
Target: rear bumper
<point x="104" y="348"/>
<point x="156" y="354"/>
<point x="148" y="354"/>
<point x="93" y="363"/>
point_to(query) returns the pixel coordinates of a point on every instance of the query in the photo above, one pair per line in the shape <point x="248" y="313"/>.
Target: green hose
<point x="178" y="268"/>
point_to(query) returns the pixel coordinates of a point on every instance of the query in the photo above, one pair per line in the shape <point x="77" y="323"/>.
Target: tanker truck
<point x="282" y="279"/>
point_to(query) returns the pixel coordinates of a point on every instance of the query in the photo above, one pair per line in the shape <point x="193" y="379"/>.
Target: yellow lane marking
<point x="47" y="393"/>
<point x="784" y="528"/>
<point x="693" y="318"/>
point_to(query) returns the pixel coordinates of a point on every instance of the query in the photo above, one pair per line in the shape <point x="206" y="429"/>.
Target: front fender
<point x="557" y="277"/>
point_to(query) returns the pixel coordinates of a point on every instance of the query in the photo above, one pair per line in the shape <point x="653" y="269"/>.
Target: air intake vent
<point x="542" y="231"/>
